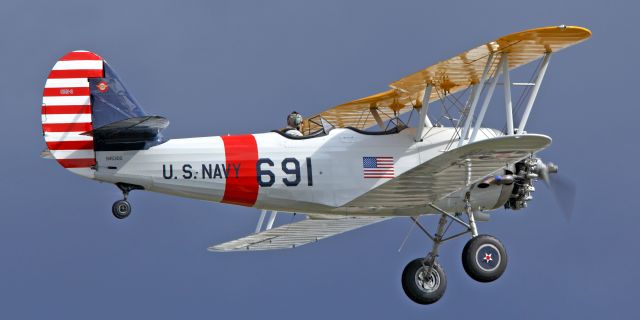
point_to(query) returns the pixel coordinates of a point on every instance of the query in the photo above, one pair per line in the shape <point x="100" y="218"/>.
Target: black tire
<point x="484" y="258"/>
<point x="121" y="209"/>
<point x="418" y="290"/>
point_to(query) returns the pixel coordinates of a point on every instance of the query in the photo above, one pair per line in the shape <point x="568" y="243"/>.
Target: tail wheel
<point x="121" y="209"/>
<point x="484" y="258"/>
<point x="422" y="284"/>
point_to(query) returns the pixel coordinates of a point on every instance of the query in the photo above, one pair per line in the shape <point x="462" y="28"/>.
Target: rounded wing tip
<point x="584" y="30"/>
<point x="539" y="138"/>
<point x="571" y="34"/>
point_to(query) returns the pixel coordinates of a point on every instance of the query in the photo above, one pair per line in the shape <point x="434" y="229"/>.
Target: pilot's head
<point x="294" y="120"/>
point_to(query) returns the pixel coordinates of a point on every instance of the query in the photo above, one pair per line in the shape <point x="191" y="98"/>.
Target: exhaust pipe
<point x="505" y="180"/>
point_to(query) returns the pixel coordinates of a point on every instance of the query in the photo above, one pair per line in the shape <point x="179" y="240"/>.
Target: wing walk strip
<point x="296" y="234"/>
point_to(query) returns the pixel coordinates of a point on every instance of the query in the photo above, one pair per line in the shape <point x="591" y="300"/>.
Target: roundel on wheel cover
<point x="488" y="257"/>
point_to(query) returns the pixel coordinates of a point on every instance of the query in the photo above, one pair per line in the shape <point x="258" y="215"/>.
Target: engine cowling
<point x="511" y="190"/>
<point x="491" y="197"/>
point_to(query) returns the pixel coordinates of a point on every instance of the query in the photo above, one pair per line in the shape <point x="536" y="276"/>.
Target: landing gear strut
<point x="483" y="258"/>
<point x="122" y="208"/>
<point x="423" y="279"/>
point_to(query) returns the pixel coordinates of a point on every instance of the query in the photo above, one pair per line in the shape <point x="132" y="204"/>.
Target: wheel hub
<point x="122" y="208"/>
<point x="488" y="257"/>
<point x="427" y="283"/>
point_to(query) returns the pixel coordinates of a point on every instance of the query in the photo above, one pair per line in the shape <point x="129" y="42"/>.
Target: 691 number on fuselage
<point x="290" y="166"/>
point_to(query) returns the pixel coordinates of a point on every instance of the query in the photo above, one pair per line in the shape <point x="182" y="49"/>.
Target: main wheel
<point x="121" y="209"/>
<point x="484" y="258"/>
<point x="421" y="287"/>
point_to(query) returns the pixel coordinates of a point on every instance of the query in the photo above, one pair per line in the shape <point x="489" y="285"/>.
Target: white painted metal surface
<point x="485" y="105"/>
<point x="507" y="93"/>
<point x="263" y="213"/>
<point x="474" y="100"/>
<point x="296" y="234"/>
<point x="423" y="120"/>
<point x="534" y="92"/>
<point x="272" y="219"/>
<point x="179" y="166"/>
<point x="443" y="175"/>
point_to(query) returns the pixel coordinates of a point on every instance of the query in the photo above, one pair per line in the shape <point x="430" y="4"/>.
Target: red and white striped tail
<point x="66" y="110"/>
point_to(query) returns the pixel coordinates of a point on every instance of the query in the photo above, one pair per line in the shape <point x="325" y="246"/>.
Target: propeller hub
<point x="531" y="169"/>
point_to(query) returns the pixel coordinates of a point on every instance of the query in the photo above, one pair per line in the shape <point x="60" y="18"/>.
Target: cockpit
<point x="318" y="126"/>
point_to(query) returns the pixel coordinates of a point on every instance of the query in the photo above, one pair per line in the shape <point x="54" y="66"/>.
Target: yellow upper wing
<point x="454" y="74"/>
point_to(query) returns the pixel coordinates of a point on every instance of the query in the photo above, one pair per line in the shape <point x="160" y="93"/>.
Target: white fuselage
<point x="316" y="175"/>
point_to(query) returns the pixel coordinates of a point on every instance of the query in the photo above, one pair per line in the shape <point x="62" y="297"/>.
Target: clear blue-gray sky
<point x="218" y="67"/>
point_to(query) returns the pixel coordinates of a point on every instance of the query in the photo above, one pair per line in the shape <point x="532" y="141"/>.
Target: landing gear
<point x="122" y="208"/>
<point x="483" y="258"/>
<point x="424" y="280"/>
<point x="424" y="284"/>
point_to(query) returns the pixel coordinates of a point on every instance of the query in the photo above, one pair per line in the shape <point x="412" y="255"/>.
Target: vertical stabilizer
<point x="66" y="111"/>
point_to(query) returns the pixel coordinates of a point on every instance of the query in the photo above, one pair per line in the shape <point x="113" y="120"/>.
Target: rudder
<point x="66" y="110"/>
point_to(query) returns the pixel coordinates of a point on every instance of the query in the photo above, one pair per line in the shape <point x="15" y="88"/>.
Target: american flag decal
<point x="378" y="167"/>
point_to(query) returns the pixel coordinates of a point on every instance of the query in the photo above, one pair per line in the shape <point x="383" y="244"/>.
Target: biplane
<point x="357" y="164"/>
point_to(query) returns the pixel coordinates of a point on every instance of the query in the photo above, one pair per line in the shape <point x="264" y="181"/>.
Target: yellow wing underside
<point x="454" y="74"/>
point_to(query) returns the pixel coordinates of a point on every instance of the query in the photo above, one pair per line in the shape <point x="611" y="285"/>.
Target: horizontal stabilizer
<point x="129" y="134"/>
<point x="296" y="234"/>
<point x="138" y="126"/>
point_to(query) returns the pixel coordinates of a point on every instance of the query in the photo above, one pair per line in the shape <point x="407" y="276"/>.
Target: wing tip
<point x="218" y="248"/>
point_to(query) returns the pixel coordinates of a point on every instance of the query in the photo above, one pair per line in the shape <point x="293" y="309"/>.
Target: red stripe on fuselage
<point x="241" y="151"/>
